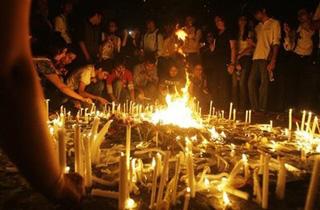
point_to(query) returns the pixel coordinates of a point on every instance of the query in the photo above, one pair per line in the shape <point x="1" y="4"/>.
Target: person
<point x="300" y="43"/>
<point x="268" y="34"/>
<point x="86" y="76"/>
<point x="199" y="87"/>
<point x="192" y="45"/>
<point x="52" y="80"/>
<point x="89" y="36"/>
<point x="120" y="86"/>
<point x="24" y="111"/>
<point x="130" y="47"/>
<point x="61" y="21"/>
<point x="207" y="54"/>
<point x="224" y="61"/>
<point x="244" y="57"/>
<point x="111" y="44"/>
<point x="152" y="41"/>
<point x="169" y="50"/>
<point x="173" y="82"/>
<point x="146" y="79"/>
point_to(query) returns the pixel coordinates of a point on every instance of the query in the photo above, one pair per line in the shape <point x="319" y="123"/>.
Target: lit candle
<point x="154" y="181"/>
<point x="62" y="149"/>
<point x="186" y="199"/>
<point x="309" y="121"/>
<point x="290" y="120"/>
<point x="281" y="180"/>
<point x="123" y="182"/>
<point x="230" y="111"/>
<point x="270" y="126"/>
<point x="313" y="186"/>
<point x="88" y="166"/>
<point x="303" y="119"/>
<point x="163" y="179"/>
<point x="265" y="183"/>
<point x="250" y="116"/>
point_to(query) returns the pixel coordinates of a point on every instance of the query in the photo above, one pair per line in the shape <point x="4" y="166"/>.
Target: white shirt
<point x="268" y="34"/>
<point x="84" y="75"/>
<point x="60" y="25"/>
<point x="153" y="42"/>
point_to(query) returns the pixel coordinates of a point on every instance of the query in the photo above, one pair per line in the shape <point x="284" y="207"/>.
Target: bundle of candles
<point x="174" y="153"/>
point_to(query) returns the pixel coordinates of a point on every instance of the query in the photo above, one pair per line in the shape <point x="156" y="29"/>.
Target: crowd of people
<point x="88" y="61"/>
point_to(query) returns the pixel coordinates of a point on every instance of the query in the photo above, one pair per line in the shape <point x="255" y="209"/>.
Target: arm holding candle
<point x="34" y="156"/>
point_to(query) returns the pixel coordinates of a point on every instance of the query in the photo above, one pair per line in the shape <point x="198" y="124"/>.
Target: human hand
<point x="70" y="189"/>
<point x="286" y="28"/>
<point x="87" y="101"/>
<point x="271" y="66"/>
<point x="231" y="68"/>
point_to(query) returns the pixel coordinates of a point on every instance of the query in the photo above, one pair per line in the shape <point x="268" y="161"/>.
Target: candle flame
<point x="226" y="200"/>
<point x="130" y="203"/>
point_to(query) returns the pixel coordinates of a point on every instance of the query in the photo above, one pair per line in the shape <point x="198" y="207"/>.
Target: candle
<point x="128" y="144"/>
<point x="123" y="183"/>
<point x="265" y="183"/>
<point x="157" y="138"/>
<point x="163" y="179"/>
<point x="62" y="149"/>
<point x="77" y="150"/>
<point x="309" y="121"/>
<point x="186" y="199"/>
<point x="88" y="166"/>
<point x="190" y="170"/>
<point x="270" y="126"/>
<point x="154" y="181"/>
<point x="234" y="114"/>
<point x="281" y="180"/>
<point x="250" y="116"/>
<point x="246" y="166"/>
<point x="246" y="118"/>
<point x="113" y="107"/>
<point x="230" y="111"/>
<point x="47" y="109"/>
<point x="210" y="109"/>
<point x="314" y="126"/>
<point x="290" y="120"/>
<point x="105" y="193"/>
<point x="313" y="186"/>
<point x="303" y="120"/>
<point x="176" y="180"/>
<point x="222" y="114"/>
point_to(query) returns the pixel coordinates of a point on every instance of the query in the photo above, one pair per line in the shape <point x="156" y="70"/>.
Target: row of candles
<point x="83" y="162"/>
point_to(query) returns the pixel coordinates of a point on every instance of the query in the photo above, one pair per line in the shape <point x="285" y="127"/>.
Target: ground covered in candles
<point x="216" y="150"/>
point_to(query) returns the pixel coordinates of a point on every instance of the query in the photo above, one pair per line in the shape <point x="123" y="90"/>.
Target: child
<point x="173" y="82"/>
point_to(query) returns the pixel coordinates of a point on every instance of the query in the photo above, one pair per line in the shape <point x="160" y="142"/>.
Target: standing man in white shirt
<point x="61" y="23"/>
<point x="152" y="41"/>
<point x="268" y="34"/>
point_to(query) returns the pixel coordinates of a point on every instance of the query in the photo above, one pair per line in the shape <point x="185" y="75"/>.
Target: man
<point x="83" y="77"/>
<point x="146" y="78"/>
<point x="120" y="82"/>
<point x="300" y="43"/>
<point x="31" y="148"/>
<point x="61" y="23"/>
<point x="268" y="34"/>
<point x="89" y="36"/>
<point x="152" y="41"/>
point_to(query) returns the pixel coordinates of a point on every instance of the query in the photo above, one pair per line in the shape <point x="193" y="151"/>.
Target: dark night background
<point x="133" y="12"/>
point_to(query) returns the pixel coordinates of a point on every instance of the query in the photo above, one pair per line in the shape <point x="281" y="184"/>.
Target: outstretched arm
<point x="24" y="134"/>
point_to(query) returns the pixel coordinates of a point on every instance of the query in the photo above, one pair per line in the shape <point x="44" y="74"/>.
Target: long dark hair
<point x="247" y="29"/>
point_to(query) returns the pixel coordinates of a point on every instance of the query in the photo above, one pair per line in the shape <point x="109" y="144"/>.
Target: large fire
<point x="179" y="109"/>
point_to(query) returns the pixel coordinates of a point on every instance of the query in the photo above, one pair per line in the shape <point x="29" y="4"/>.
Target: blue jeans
<point x="258" y="85"/>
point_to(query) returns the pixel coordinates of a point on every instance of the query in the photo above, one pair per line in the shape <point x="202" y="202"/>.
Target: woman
<point x="244" y="58"/>
<point x="52" y="83"/>
<point x="224" y="61"/>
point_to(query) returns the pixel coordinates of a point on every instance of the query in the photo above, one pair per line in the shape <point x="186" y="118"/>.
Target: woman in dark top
<point x="223" y="62"/>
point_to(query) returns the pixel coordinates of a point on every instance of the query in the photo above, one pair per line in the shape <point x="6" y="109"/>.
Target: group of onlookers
<point x="92" y="61"/>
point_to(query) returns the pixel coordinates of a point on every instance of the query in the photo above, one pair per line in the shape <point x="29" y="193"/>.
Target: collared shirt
<point x="60" y="25"/>
<point x="84" y="75"/>
<point x="268" y="34"/>
<point x="142" y="77"/>
<point x="301" y="42"/>
<point x="125" y="78"/>
<point x="152" y="42"/>
<point x="192" y="43"/>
